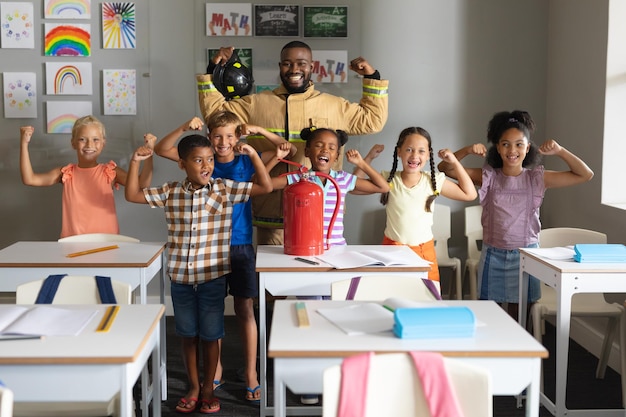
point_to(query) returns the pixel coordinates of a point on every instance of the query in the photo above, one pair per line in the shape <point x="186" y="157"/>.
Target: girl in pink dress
<point x="88" y="202"/>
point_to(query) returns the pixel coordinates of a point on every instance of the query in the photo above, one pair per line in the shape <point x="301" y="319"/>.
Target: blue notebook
<point x="592" y="252"/>
<point x="434" y="322"/>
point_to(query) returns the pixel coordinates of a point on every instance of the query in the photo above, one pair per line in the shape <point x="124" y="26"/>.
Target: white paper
<point x="353" y="259"/>
<point x="360" y="318"/>
<point x="46" y="320"/>
<point x="556" y="253"/>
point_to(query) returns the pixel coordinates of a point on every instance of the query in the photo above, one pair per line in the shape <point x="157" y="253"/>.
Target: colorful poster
<point x="61" y="115"/>
<point x="118" y="26"/>
<point x="325" y="21"/>
<point x="17" y="25"/>
<point x="119" y="91"/>
<point x="228" y="19"/>
<point x="245" y="56"/>
<point x="67" y="40"/>
<point x="68" y="78"/>
<point x="20" y="96"/>
<point x="67" y="9"/>
<point x="276" y="20"/>
<point x="330" y="67"/>
<point x="266" y="87"/>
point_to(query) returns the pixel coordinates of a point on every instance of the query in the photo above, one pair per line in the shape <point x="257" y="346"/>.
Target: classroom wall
<point x="451" y="64"/>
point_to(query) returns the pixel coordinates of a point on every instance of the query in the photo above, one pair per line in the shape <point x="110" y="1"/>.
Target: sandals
<point x="253" y="391"/>
<point x="210" y="406"/>
<point x="217" y="384"/>
<point x="187" y="406"/>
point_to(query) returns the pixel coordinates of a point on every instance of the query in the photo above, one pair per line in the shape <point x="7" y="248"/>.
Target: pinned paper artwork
<point x="61" y="115"/>
<point x="17" y="25"/>
<point x="330" y="67"/>
<point x="119" y="91"/>
<point x="228" y="19"/>
<point x="325" y="21"/>
<point x="67" y="9"/>
<point x="67" y="40"/>
<point x="20" y="95"/>
<point x="118" y="26"/>
<point x="68" y="78"/>
<point x="265" y="87"/>
<point x="276" y="20"/>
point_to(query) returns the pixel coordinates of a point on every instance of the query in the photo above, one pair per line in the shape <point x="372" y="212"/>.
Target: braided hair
<point x="384" y="198"/>
<point x="503" y="121"/>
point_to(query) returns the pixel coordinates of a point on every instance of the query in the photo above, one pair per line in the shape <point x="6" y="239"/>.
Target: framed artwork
<point x="330" y="67"/>
<point x="68" y="78"/>
<point x="67" y="40"/>
<point x="119" y="91"/>
<point x="17" y="25"/>
<point x="118" y="26"/>
<point x="20" y="95"/>
<point x="229" y="19"/>
<point x="276" y="20"/>
<point x="245" y="56"/>
<point x="67" y="9"/>
<point x="61" y="115"/>
<point x="325" y="21"/>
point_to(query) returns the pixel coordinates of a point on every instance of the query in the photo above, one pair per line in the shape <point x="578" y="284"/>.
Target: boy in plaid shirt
<point x="198" y="212"/>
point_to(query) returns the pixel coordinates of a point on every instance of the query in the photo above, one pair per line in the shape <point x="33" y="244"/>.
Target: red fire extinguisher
<point x="303" y="212"/>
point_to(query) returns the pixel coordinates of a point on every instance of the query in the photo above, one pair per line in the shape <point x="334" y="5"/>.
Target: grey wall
<point x="452" y="64"/>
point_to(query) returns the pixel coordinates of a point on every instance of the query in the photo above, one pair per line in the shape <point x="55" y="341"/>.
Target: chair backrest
<point x="6" y="402"/>
<point x="566" y="236"/>
<point x="381" y="287"/>
<point x="394" y="388"/>
<point x="473" y="230"/>
<point x="441" y="230"/>
<point x="73" y="289"/>
<point x="98" y="237"/>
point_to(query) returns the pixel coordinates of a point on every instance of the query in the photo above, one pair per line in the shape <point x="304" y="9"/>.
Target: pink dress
<point x="88" y="202"/>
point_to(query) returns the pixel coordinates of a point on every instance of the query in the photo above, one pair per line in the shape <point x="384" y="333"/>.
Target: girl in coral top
<point x="88" y="202"/>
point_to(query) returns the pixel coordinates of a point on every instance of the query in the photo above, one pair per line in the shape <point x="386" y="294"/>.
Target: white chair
<point x="381" y="287"/>
<point x="73" y="289"/>
<point x="441" y="233"/>
<point x="583" y="304"/>
<point x="474" y="235"/>
<point x="6" y="402"/>
<point x="394" y="388"/>
<point x="98" y="237"/>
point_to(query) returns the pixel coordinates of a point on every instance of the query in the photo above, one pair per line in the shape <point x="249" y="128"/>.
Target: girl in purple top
<point x="512" y="185"/>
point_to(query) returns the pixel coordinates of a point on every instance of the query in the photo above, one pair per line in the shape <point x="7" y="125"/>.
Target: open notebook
<point x="43" y="320"/>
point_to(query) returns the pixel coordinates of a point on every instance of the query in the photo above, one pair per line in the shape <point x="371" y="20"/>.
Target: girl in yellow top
<point x="409" y="202"/>
<point x="88" y="203"/>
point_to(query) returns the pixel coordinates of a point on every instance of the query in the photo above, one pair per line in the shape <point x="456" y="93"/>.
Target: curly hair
<point x="503" y="121"/>
<point x="189" y="142"/>
<point x="384" y="198"/>
<point x="310" y="133"/>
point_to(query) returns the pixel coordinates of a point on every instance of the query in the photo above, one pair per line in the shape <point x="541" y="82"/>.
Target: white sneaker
<point x="309" y="399"/>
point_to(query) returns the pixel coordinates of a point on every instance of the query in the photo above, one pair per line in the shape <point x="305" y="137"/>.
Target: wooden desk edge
<point x="543" y="354"/>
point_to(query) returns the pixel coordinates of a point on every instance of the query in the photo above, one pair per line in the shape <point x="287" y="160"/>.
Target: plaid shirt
<point x="198" y="226"/>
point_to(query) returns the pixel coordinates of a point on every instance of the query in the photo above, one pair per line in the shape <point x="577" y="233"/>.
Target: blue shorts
<point x="498" y="276"/>
<point x="242" y="281"/>
<point x="199" y="309"/>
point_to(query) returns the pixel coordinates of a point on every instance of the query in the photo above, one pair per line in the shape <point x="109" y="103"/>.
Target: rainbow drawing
<point x="61" y="115"/>
<point x="67" y="40"/>
<point x="68" y="9"/>
<point x="67" y="73"/>
<point x="62" y="123"/>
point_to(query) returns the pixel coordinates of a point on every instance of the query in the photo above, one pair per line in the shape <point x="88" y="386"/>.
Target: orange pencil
<point x="87" y="252"/>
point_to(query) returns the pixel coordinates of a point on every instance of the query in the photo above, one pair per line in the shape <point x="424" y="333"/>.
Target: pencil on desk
<point x="87" y="252"/>
<point x="108" y="318"/>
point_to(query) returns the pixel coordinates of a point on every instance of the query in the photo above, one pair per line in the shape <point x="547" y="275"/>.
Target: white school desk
<point x="510" y="354"/>
<point x="568" y="278"/>
<point x="93" y="366"/>
<point x="134" y="263"/>
<point x="281" y="275"/>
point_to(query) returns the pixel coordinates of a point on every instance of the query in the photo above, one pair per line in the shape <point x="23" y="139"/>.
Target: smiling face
<point x="512" y="148"/>
<point x="88" y="143"/>
<point x="296" y="65"/>
<point x="323" y="151"/>
<point x="414" y="153"/>
<point x="224" y="139"/>
<point x="198" y="165"/>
